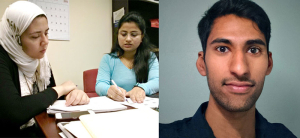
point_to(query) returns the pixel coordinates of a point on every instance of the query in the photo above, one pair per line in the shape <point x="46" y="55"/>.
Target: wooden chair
<point x="89" y="82"/>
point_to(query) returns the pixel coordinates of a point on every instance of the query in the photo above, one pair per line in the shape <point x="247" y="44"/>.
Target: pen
<point x="118" y="89"/>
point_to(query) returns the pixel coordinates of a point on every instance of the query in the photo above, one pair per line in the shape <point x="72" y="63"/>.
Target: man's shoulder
<point x="191" y="127"/>
<point x="271" y="130"/>
<point x="185" y="128"/>
<point x="174" y="129"/>
<point x="278" y="130"/>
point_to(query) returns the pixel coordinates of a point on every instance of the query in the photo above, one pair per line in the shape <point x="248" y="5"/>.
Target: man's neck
<point x="230" y="124"/>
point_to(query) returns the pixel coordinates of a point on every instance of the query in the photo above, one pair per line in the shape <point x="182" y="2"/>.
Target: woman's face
<point x="129" y="36"/>
<point x="35" y="39"/>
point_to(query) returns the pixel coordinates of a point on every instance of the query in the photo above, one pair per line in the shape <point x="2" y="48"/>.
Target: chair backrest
<point x="89" y="82"/>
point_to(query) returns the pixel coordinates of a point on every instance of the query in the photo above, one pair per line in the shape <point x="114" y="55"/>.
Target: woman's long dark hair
<point x="142" y="55"/>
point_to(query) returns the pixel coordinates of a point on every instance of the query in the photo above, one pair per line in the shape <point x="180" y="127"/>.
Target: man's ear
<point x="200" y="64"/>
<point x="270" y="63"/>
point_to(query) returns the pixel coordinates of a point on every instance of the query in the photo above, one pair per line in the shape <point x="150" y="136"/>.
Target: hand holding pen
<point x="116" y="93"/>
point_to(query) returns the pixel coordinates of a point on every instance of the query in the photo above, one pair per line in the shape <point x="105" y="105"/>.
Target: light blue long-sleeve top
<point x="112" y="68"/>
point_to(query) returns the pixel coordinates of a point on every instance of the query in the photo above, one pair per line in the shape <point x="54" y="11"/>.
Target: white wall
<point x="91" y="37"/>
<point x="183" y="89"/>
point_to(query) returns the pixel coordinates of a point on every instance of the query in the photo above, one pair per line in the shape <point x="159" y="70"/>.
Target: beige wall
<point x="91" y="37"/>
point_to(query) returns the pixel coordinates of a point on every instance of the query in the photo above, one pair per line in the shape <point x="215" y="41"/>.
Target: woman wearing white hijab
<point x="27" y="86"/>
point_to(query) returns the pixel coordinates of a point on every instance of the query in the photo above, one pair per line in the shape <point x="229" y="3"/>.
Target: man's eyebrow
<point x="221" y="40"/>
<point x="256" y="41"/>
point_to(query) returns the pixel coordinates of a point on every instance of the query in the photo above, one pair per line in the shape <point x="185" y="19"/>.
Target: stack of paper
<point x="148" y="103"/>
<point x="97" y="104"/>
<point x="133" y="123"/>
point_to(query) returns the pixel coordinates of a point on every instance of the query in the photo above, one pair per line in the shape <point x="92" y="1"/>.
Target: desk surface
<point x="48" y="125"/>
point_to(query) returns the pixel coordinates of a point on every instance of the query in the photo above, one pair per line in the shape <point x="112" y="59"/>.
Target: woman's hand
<point x="64" y="88"/>
<point x="137" y="94"/>
<point x="74" y="95"/>
<point x="77" y="97"/>
<point x="115" y="94"/>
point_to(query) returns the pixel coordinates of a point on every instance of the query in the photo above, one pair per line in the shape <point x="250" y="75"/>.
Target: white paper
<point x="148" y="103"/>
<point x="133" y="123"/>
<point x="77" y="129"/>
<point x="117" y="15"/>
<point x="62" y="135"/>
<point x="97" y="104"/>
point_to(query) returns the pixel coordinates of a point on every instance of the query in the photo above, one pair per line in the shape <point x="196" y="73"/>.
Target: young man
<point x="235" y="38"/>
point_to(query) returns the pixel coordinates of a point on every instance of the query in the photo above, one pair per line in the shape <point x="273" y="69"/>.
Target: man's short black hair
<point x="242" y="8"/>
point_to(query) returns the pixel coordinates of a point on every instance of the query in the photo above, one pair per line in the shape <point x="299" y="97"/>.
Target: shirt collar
<point x="199" y="121"/>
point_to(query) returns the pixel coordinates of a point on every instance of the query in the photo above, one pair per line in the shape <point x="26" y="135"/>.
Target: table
<point x="49" y="127"/>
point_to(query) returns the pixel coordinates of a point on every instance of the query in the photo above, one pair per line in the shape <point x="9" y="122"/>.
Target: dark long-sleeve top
<point x="197" y="127"/>
<point x="14" y="109"/>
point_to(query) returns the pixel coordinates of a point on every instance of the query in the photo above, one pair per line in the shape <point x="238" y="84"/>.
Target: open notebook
<point x="97" y="104"/>
<point x="133" y="123"/>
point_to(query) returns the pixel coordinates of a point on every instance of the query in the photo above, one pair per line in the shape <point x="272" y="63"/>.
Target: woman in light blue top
<point x="131" y="64"/>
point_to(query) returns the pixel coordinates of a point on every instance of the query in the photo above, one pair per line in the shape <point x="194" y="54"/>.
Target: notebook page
<point x="135" y="123"/>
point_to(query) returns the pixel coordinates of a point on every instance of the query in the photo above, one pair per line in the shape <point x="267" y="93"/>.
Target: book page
<point x="77" y="129"/>
<point x="133" y="123"/>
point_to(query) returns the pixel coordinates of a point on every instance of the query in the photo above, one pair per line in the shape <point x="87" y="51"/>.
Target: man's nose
<point x="239" y="64"/>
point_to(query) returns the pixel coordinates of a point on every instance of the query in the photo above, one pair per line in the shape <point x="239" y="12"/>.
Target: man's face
<point x="236" y="62"/>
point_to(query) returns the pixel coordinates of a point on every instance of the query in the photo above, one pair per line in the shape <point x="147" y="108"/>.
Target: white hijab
<point x="16" y="19"/>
